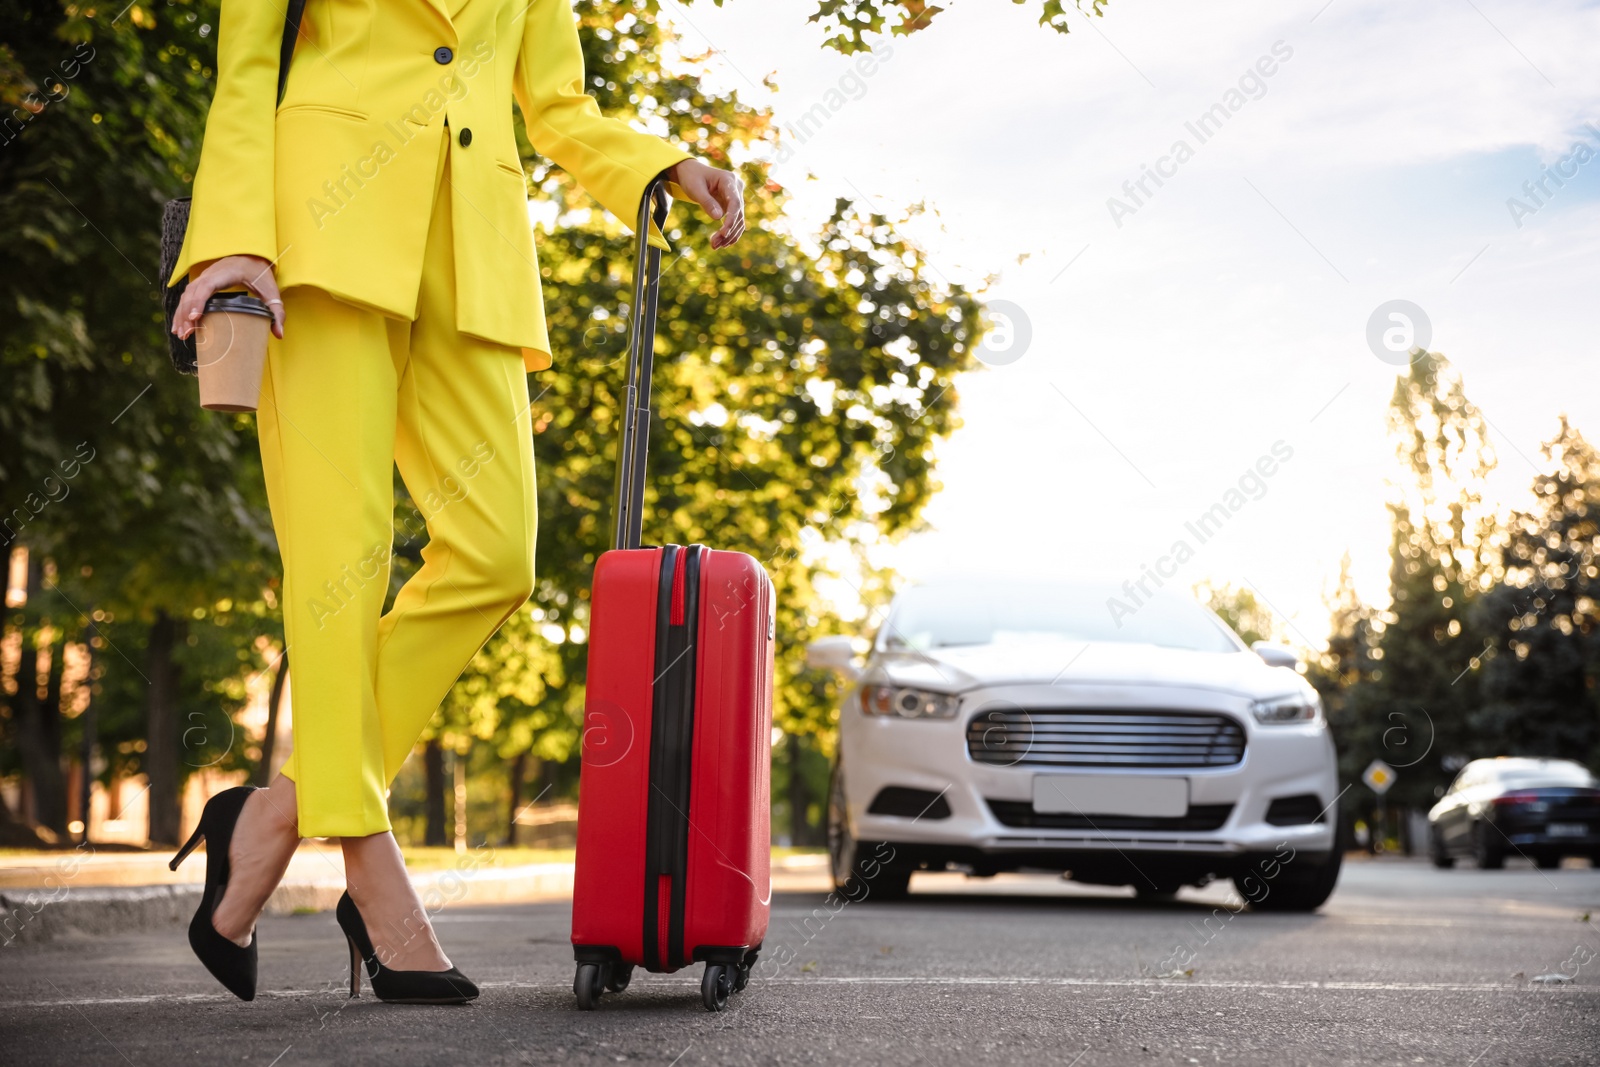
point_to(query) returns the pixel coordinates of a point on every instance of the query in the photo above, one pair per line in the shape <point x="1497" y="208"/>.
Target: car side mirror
<point x="835" y="653"/>
<point x="1276" y="655"/>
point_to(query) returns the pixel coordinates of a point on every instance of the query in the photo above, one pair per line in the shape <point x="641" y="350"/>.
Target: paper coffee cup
<point x="231" y="351"/>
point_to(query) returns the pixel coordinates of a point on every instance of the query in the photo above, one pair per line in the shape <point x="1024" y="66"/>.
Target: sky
<point x="1168" y="346"/>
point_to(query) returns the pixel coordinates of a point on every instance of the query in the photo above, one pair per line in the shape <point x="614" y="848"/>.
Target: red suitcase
<point x="673" y="847"/>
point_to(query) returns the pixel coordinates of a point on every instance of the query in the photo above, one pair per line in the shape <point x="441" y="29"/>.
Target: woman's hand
<point x="719" y="193"/>
<point x="253" y="272"/>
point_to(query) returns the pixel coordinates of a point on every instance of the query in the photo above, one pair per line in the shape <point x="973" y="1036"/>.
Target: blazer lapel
<point x="443" y="8"/>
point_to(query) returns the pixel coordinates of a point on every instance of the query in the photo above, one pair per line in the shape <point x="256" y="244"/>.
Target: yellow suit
<point x="336" y="188"/>
<point x="387" y="190"/>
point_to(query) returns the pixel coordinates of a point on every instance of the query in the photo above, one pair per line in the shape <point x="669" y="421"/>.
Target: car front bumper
<point x="1279" y="761"/>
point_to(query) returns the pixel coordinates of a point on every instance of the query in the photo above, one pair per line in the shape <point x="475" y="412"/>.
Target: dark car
<point x="1543" y="809"/>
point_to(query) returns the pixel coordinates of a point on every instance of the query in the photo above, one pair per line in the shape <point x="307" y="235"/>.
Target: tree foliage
<point x="1541" y="621"/>
<point x="150" y="509"/>
<point x="852" y="24"/>
<point x="1344" y="670"/>
<point x="1414" y="691"/>
<point x="1240" y="608"/>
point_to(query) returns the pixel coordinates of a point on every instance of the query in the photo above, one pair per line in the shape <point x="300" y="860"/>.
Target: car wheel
<point x="1437" y="853"/>
<point x="1486" y="851"/>
<point x="1299" y="885"/>
<point x="859" y="874"/>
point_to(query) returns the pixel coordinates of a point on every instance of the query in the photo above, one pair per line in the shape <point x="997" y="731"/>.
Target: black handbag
<point x="175" y="214"/>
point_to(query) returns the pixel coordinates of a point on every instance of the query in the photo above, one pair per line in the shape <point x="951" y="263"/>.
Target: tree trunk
<point x="39" y="719"/>
<point x="161" y="728"/>
<point x="799" y="800"/>
<point x="263" y="772"/>
<point x="53" y="809"/>
<point x="518" y="768"/>
<point x="434" y="833"/>
<point x="458" y="769"/>
<point x="89" y="728"/>
<point x="39" y="745"/>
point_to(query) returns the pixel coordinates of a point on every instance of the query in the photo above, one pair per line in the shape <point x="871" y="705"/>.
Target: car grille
<point x="1020" y="813"/>
<point x="1104" y="738"/>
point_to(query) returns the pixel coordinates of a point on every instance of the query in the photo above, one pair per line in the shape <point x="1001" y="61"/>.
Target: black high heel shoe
<point x="229" y="964"/>
<point x="396" y="987"/>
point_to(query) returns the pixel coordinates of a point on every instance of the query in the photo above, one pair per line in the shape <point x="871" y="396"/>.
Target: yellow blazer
<point x="336" y="184"/>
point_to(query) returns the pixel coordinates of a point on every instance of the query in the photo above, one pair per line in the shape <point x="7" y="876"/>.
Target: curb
<point x="36" y="916"/>
<point x="65" y="912"/>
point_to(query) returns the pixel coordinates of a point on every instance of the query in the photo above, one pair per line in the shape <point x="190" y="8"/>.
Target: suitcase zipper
<point x="671" y="752"/>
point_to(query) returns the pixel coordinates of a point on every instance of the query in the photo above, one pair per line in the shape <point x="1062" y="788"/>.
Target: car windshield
<point x="926" y="617"/>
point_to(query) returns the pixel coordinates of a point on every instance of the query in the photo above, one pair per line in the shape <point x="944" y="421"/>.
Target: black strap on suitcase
<point x="635" y="441"/>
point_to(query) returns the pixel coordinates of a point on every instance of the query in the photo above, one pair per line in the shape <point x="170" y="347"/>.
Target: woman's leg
<point x="326" y="428"/>
<point x="264" y="840"/>
<point x="326" y="423"/>
<point x="464" y="445"/>
<point x="397" y="922"/>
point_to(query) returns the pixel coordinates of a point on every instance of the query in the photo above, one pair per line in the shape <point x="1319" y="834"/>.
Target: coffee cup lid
<point x="244" y="303"/>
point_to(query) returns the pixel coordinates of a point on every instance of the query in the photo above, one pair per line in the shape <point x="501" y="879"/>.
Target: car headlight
<point x="903" y="703"/>
<point x="1296" y="707"/>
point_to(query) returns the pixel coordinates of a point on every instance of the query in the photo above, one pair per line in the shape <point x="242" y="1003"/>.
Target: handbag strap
<point x="291" y="31"/>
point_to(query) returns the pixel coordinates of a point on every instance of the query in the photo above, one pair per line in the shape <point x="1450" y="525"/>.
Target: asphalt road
<point x="1405" y="965"/>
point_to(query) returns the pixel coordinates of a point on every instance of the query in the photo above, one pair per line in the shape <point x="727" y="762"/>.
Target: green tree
<point x="1240" y="609"/>
<point x="107" y="461"/>
<point x="1343" y="675"/>
<point x="1541" y="682"/>
<point x="1413" y="690"/>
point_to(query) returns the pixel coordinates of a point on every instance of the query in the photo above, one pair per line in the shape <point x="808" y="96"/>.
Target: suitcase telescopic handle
<point x="635" y="442"/>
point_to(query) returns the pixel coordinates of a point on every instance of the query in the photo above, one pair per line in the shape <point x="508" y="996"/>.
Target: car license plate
<point x="1566" y="829"/>
<point x="1106" y="794"/>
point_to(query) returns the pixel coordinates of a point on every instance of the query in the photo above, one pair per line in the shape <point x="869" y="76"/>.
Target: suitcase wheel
<point x="741" y="976"/>
<point x="716" y="985"/>
<point x="587" y="984"/>
<point x="618" y="975"/>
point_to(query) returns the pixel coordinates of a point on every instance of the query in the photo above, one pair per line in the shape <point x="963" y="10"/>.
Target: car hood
<point x="964" y="667"/>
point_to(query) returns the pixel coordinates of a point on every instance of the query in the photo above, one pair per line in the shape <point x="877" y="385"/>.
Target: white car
<point x="1002" y="725"/>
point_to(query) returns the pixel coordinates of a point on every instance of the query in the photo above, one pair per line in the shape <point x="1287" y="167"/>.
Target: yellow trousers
<point x="347" y="395"/>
